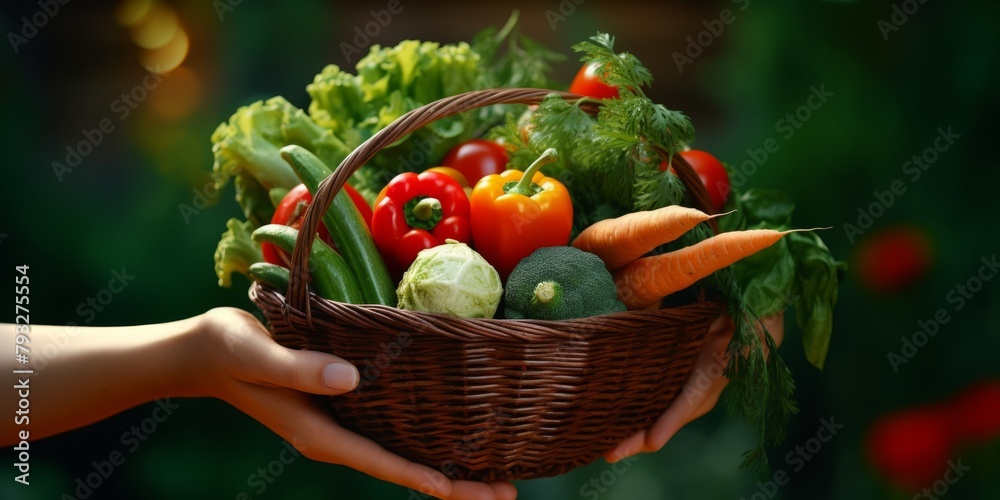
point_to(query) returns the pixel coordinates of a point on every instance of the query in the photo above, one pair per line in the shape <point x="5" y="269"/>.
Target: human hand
<point x="273" y="384"/>
<point x="695" y="398"/>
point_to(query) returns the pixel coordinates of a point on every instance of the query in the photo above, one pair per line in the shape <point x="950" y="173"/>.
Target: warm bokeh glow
<point x="168" y="57"/>
<point x="178" y="95"/>
<point x="131" y="12"/>
<point x="157" y="28"/>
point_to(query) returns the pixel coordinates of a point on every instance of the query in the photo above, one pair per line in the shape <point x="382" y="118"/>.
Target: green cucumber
<point x="348" y="229"/>
<point x="269" y="274"/>
<point x="331" y="277"/>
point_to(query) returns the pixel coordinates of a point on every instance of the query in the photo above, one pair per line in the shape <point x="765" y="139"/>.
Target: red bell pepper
<point x="418" y="211"/>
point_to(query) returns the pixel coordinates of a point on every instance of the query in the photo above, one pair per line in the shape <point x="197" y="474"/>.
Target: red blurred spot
<point x="977" y="412"/>
<point x="893" y="259"/>
<point x="912" y="448"/>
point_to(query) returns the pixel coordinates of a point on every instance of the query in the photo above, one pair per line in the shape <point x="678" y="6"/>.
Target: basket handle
<point x="297" y="296"/>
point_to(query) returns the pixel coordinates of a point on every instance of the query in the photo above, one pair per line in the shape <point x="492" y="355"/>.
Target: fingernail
<point x="340" y="376"/>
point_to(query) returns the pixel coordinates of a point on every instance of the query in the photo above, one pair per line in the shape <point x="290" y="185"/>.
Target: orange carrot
<point x="645" y="282"/>
<point x="620" y="241"/>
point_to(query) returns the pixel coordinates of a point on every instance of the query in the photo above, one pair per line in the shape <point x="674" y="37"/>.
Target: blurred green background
<point x="893" y="85"/>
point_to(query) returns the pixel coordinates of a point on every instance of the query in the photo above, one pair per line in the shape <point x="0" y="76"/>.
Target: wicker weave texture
<point x="495" y="399"/>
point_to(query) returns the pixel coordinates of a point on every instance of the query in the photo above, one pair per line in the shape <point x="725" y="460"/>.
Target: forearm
<point x="94" y="373"/>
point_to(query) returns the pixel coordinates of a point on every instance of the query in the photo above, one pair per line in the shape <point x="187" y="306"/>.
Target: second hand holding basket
<point x="489" y="399"/>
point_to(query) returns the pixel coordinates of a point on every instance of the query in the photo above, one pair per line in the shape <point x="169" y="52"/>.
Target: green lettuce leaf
<point x="390" y="82"/>
<point x="247" y="147"/>
<point x="236" y="251"/>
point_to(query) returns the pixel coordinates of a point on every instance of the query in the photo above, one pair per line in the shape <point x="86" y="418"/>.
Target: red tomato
<point x="587" y="83"/>
<point x="893" y="259"/>
<point x="911" y="448"/>
<point x="712" y="174"/>
<point x="476" y="159"/>
<point x="292" y="210"/>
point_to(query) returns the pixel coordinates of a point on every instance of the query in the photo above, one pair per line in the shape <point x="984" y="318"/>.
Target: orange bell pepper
<point x="515" y="213"/>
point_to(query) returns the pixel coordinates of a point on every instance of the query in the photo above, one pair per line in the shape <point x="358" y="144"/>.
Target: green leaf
<point x="817" y="276"/>
<point x="798" y="270"/>
<point x="510" y="59"/>
<point x="236" y="251"/>
<point x="768" y="206"/>
<point x="768" y="278"/>
<point x="254" y="199"/>
<point x="250" y="141"/>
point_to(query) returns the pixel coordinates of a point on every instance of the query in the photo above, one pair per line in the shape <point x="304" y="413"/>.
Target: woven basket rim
<point x="493" y="329"/>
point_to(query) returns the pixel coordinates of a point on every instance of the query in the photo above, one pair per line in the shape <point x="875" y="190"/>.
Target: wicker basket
<point x="489" y="399"/>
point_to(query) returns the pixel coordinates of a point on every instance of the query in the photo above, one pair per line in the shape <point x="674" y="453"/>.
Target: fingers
<point x="471" y="490"/>
<point x="632" y="445"/>
<point x="698" y="396"/>
<point x="680" y="414"/>
<point x="316" y="435"/>
<point x="504" y="490"/>
<point x="253" y="356"/>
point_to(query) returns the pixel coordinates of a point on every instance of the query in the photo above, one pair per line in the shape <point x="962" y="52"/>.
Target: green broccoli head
<point x="558" y="283"/>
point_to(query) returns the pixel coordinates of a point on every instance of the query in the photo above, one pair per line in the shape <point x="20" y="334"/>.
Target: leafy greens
<point x="346" y="109"/>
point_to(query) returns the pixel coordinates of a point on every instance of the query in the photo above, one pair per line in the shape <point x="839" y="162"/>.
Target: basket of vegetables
<point x="510" y="318"/>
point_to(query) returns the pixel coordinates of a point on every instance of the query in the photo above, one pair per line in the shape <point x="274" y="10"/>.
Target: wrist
<point x="213" y="349"/>
<point x="183" y="359"/>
